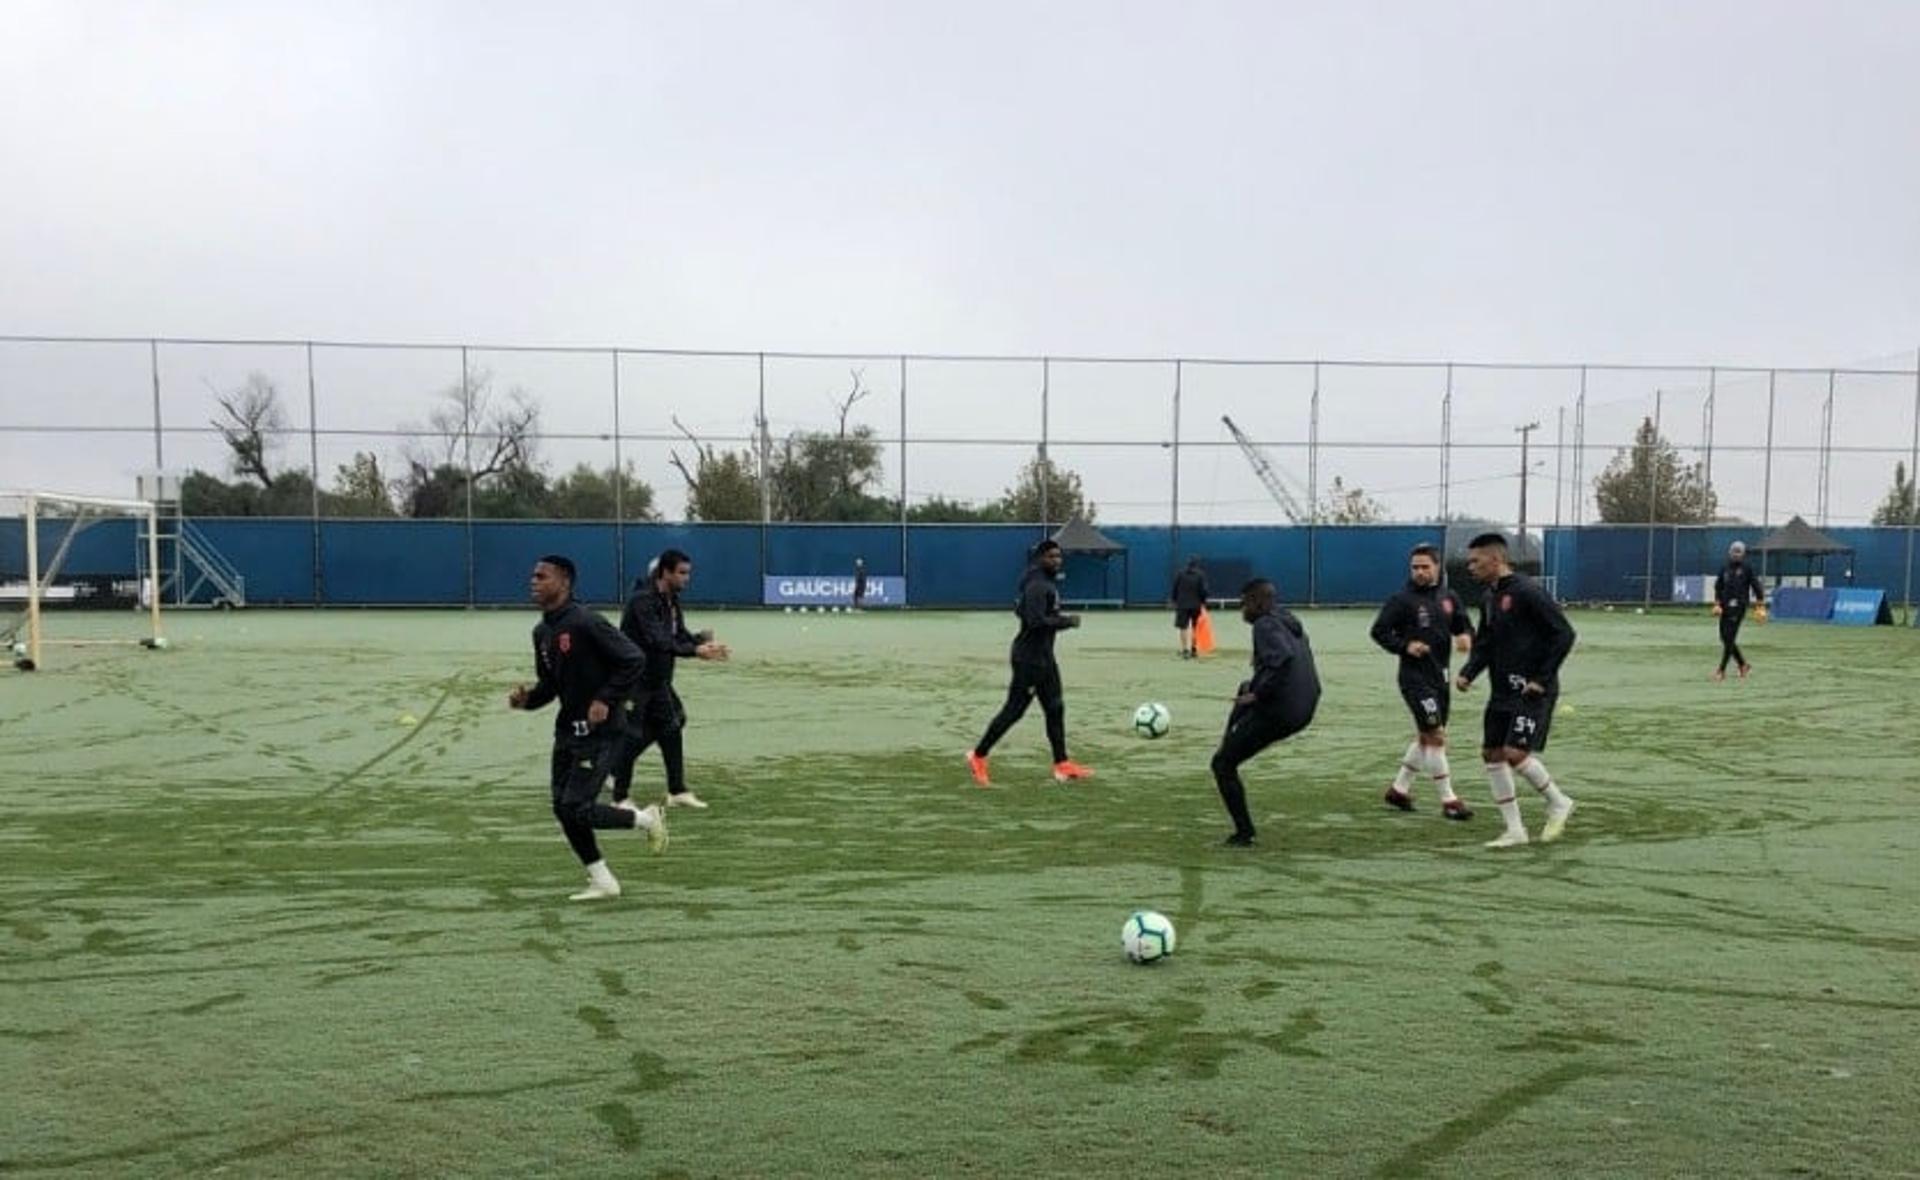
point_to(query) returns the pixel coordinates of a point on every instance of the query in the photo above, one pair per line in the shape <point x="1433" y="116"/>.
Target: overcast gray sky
<point x="1661" y="182"/>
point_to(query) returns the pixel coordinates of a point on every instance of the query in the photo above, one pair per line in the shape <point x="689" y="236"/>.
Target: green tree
<point x="1046" y="493"/>
<point x="359" y="489"/>
<point x="820" y="476"/>
<point x="940" y="510"/>
<point x="1649" y="484"/>
<point x="588" y="494"/>
<point x="1898" y="507"/>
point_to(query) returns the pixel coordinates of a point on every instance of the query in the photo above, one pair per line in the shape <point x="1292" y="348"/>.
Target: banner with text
<point x="831" y="590"/>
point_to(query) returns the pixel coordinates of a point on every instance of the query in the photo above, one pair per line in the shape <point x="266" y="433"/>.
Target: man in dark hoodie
<point x="1035" y="671"/>
<point x="1276" y="704"/>
<point x="1189" y="595"/>
<point x="1735" y="587"/>
<point x="654" y="622"/>
<point x="592" y="670"/>
<point x="1422" y="624"/>
<point x="1524" y="637"/>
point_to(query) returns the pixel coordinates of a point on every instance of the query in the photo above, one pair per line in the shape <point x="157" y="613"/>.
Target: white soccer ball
<point x="19" y="651"/>
<point x="1152" y="720"/>
<point x="1147" y="937"/>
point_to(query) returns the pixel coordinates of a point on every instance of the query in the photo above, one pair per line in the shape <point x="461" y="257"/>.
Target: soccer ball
<point x="19" y="651"/>
<point x="1152" y="720"/>
<point x="1147" y="937"/>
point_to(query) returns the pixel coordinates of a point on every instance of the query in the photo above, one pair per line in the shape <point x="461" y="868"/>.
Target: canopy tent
<point x="1797" y="538"/>
<point x="1077" y="536"/>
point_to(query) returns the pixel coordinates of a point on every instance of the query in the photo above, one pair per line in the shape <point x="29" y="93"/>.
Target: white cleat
<point x="687" y="799"/>
<point x="1556" y="823"/>
<point x="1511" y="838"/>
<point x="601" y="885"/>
<point x="648" y="819"/>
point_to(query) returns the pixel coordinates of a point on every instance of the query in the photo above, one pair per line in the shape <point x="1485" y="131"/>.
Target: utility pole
<point x="1526" y="435"/>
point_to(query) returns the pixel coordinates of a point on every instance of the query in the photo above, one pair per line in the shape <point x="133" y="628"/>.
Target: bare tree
<point x="502" y="431"/>
<point x="721" y="485"/>
<point x="251" y="422"/>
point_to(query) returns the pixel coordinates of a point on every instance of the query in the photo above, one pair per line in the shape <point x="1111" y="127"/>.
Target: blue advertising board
<point x="1860" y="608"/>
<point x="830" y="590"/>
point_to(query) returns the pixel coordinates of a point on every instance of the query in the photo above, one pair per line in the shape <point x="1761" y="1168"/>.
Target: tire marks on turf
<point x="1418" y="1157"/>
<point x="399" y="744"/>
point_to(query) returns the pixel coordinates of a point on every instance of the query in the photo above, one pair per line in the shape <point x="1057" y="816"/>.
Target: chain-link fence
<point x="328" y="430"/>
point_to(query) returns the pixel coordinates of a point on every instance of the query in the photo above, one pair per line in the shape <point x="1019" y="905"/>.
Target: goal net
<point x="62" y="555"/>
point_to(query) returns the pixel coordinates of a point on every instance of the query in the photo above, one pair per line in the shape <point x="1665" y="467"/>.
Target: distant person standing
<point x="1733" y="589"/>
<point x="1035" y="671"/>
<point x="1189" y="596"/>
<point x="859" y="582"/>
<point x="1524" y="637"/>
<point x="1276" y="704"/>
<point x="592" y="670"/>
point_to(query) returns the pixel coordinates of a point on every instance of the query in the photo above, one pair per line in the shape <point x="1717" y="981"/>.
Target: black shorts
<point x="1184" y="617"/>
<point x="581" y="766"/>
<point x="1430" y="704"/>
<point x="1520" y="722"/>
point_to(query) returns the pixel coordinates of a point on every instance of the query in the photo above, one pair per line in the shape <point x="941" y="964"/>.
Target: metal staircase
<point x="193" y="572"/>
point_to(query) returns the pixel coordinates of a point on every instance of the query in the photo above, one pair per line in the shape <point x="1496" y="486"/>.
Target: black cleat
<point x="1398" y="799"/>
<point x="1455" y="809"/>
<point x="1238" y="840"/>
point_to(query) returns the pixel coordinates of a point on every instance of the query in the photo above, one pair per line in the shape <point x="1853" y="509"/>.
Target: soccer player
<point x="1035" y="671"/>
<point x="1732" y="589"/>
<point x="1276" y="704"/>
<point x="1189" y="595"/>
<point x="1524" y="638"/>
<point x="1420" y="624"/>
<point x="859" y="582"/>
<point x="592" y="670"/>
<point x="653" y="621"/>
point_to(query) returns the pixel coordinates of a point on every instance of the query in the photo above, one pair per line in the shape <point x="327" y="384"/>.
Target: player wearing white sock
<point x="1421" y="624"/>
<point x="1523" y="638"/>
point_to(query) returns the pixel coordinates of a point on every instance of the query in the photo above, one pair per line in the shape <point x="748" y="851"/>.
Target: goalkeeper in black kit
<point x="1734" y="589"/>
<point x="1523" y="639"/>
<point x="583" y="662"/>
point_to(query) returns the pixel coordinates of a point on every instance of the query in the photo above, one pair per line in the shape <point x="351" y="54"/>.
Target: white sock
<point x="1442" y="773"/>
<point x="1535" y="772"/>
<point x="599" y="874"/>
<point x="1409" y="766"/>
<point x="1501" y="776"/>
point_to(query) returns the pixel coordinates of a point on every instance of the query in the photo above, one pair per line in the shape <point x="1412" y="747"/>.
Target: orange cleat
<point x="977" y="763"/>
<point x="1070" y="770"/>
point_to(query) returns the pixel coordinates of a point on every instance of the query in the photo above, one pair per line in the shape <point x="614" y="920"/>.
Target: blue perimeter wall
<point x="452" y="563"/>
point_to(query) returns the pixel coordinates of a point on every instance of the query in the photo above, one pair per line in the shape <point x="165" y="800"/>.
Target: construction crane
<point x="1289" y="504"/>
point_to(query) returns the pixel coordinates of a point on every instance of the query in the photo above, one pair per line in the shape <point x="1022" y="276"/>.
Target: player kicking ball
<point x="1422" y="625"/>
<point x="1524" y="637"/>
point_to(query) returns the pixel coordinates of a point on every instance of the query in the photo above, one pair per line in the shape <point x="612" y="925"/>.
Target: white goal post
<point x="51" y="521"/>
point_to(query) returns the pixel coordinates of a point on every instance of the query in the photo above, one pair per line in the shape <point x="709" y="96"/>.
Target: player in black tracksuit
<point x="653" y="620"/>
<point x="1276" y="704"/>
<point x="1524" y="637"/>
<point x="592" y="670"/>
<point x="1422" y="624"/>
<point x="1189" y="595"/>
<point x="1733" y="589"/>
<point x="1035" y="672"/>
